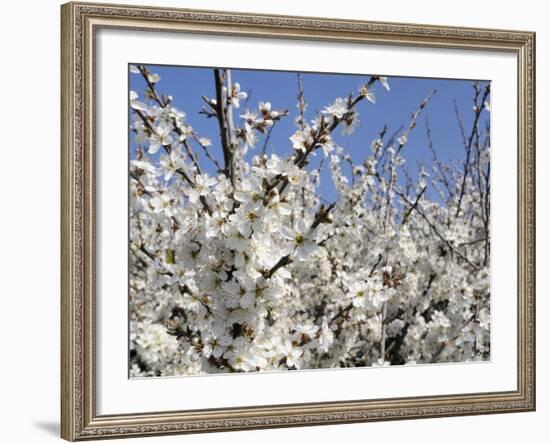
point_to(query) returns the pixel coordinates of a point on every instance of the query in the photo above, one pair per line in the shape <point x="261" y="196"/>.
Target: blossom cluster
<point x="250" y="269"/>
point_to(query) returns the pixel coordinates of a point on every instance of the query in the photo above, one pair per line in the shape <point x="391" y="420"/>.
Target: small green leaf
<point x="170" y="257"/>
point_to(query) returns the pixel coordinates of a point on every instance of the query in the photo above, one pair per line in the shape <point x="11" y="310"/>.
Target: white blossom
<point x="161" y="137"/>
<point x="244" y="265"/>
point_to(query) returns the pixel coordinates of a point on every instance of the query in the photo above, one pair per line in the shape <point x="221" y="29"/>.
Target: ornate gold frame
<point x="79" y="21"/>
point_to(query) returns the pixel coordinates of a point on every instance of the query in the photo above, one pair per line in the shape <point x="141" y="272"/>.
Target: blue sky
<point x="394" y="108"/>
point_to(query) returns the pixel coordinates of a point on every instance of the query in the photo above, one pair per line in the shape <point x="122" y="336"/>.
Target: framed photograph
<point x="277" y="221"/>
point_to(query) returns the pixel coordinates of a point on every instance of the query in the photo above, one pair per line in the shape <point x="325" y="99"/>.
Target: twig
<point x="479" y="108"/>
<point x="402" y="142"/>
<point x="179" y="171"/>
<point x="301" y="102"/>
<point x="268" y="137"/>
<point x="283" y="261"/>
<point x="436" y="232"/>
<point x="207" y="153"/>
<point x="221" y="101"/>
<point x="184" y="289"/>
<point x="435" y="157"/>
<point x="412" y="121"/>
<point x="375" y="265"/>
<point x="414" y="205"/>
<point x="383" y="332"/>
<point x="301" y="158"/>
<point x="443" y="345"/>
<point x="320" y="217"/>
<point x="460" y="124"/>
<point x="154" y="94"/>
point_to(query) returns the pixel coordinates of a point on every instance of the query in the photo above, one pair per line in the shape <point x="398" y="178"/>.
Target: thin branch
<point x="179" y="171"/>
<point x="163" y="104"/>
<point x="192" y="155"/>
<point x="478" y="108"/>
<point x="402" y="142"/>
<point x="444" y="345"/>
<point x="378" y="261"/>
<point x="301" y="103"/>
<point x="383" y="332"/>
<point x="322" y="216"/>
<point x="436" y="232"/>
<point x="283" y="261"/>
<point x="184" y="289"/>
<point x="151" y="85"/>
<point x="221" y="100"/>
<point x="412" y="122"/>
<point x="301" y="158"/>
<point x="207" y="153"/>
<point x="414" y="205"/>
<point x="268" y="137"/>
<point x="435" y="157"/>
<point x="460" y="124"/>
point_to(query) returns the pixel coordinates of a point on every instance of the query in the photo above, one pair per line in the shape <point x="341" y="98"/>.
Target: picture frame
<point x="80" y="177"/>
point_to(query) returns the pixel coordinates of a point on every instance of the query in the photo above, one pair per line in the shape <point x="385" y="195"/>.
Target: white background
<point x="29" y="231"/>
